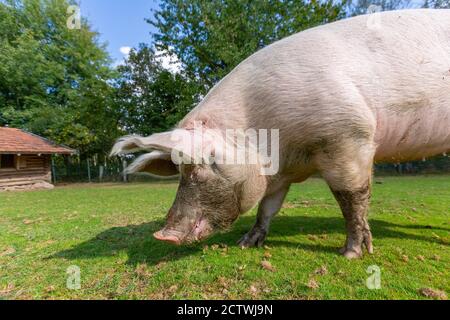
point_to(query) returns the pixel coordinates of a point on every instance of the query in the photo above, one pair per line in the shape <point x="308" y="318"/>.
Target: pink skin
<point x="167" y="238"/>
<point x="201" y="230"/>
<point x="410" y="136"/>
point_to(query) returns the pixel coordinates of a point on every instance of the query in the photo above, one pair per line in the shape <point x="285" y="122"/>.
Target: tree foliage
<point x="211" y="37"/>
<point x="358" y="7"/>
<point x="54" y="80"/>
<point x="151" y="98"/>
<point x="437" y="4"/>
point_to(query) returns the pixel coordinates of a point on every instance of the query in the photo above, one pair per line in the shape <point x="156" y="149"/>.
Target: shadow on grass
<point x="140" y="246"/>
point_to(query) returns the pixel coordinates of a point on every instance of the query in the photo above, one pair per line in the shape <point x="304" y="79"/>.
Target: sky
<point x="120" y="23"/>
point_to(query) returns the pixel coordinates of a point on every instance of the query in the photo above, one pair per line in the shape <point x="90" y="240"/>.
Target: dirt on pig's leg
<point x="354" y="205"/>
<point x="349" y="174"/>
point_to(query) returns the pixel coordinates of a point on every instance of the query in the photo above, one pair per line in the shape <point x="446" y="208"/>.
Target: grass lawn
<point x="105" y="230"/>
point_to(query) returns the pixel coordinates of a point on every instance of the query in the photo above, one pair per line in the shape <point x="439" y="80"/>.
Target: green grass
<point x="106" y="231"/>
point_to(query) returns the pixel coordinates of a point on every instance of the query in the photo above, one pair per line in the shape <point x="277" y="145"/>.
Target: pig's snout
<point x="180" y="233"/>
<point x="167" y="237"/>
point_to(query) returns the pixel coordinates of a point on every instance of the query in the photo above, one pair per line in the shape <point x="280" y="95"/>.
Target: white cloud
<point x="125" y="50"/>
<point x="170" y="63"/>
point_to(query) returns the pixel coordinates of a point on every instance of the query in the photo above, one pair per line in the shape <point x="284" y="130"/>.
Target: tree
<point x="151" y="98"/>
<point x="211" y="37"/>
<point x="437" y="4"/>
<point x="358" y="7"/>
<point x="54" y="81"/>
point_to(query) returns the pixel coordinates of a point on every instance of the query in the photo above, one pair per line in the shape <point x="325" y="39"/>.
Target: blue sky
<point x="120" y="22"/>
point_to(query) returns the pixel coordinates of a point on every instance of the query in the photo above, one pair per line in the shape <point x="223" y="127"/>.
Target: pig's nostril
<point x="167" y="238"/>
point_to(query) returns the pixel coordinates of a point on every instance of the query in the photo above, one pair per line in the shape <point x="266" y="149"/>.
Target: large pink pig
<point x="342" y="95"/>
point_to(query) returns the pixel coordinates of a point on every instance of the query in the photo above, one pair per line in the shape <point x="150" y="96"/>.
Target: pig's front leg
<point x="268" y="208"/>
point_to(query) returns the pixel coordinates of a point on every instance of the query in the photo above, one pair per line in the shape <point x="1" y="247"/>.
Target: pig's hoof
<point x="368" y="244"/>
<point x="254" y="238"/>
<point x="351" y="253"/>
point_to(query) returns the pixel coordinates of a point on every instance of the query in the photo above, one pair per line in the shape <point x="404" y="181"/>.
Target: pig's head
<point x="210" y="197"/>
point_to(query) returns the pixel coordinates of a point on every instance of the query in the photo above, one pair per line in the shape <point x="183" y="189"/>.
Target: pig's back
<point x="396" y="64"/>
<point x="389" y="73"/>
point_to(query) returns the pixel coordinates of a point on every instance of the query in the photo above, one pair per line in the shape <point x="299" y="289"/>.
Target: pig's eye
<point x="215" y="168"/>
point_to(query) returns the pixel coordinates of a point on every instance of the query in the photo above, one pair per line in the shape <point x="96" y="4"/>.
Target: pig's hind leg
<point x="349" y="177"/>
<point x="268" y="208"/>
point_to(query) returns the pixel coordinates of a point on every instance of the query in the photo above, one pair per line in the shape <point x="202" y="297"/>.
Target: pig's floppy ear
<point x="157" y="163"/>
<point x="131" y="144"/>
<point x="183" y="145"/>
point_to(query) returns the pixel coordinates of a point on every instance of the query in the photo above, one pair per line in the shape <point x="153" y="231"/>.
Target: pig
<point x="373" y="88"/>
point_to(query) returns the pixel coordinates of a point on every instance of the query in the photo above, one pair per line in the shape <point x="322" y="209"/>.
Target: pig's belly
<point x="406" y="135"/>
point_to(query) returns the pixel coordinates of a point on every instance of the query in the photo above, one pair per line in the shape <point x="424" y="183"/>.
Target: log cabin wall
<point x="29" y="169"/>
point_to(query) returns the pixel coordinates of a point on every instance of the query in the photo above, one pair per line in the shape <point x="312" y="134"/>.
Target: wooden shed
<point x="25" y="160"/>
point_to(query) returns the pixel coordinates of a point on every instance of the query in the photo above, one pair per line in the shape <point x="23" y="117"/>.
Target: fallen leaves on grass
<point x="289" y="205"/>
<point x="253" y="290"/>
<point x="405" y="258"/>
<point x="223" y="282"/>
<point x="7" y="289"/>
<point x="242" y="268"/>
<point x="142" y="271"/>
<point x="321" y="271"/>
<point x="267" y="255"/>
<point x="173" y="289"/>
<point x="224" y="249"/>
<point x="421" y="258"/>
<point x="50" y="289"/>
<point x="8" y="251"/>
<point x="436" y="257"/>
<point x="433" y="293"/>
<point x="436" y="236"/>
<point x="27" y="221"/>
<point x="268" y="266"/>
<point x="257" y="288"/>
<point x="45" y="244"/>
<point x="313" y="237"/>
<point x="313" y="284"/>
<point x="160" y="265"/>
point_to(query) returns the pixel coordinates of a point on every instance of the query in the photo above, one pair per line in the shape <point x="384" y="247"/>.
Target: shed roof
<point x="17" y="141"/>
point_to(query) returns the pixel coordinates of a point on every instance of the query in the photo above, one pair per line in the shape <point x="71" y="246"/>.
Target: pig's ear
<point x="157" y="163"/>
<point x="130" y="144"/>
<point x="185" y="145"/>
